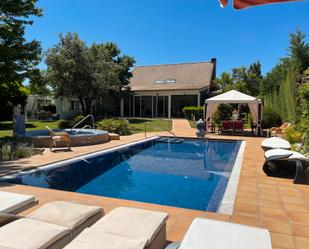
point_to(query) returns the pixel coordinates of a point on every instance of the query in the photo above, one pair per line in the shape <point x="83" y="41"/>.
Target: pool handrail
<point x="85" y="118"/>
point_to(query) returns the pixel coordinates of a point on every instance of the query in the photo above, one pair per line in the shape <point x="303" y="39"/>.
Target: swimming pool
<point x="192" y="174"/>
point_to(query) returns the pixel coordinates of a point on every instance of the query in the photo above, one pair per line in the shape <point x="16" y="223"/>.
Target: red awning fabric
<point x="241" y="4"/>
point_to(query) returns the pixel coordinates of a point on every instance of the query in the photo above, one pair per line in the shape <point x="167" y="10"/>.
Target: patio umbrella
<point x="241" y="4"/>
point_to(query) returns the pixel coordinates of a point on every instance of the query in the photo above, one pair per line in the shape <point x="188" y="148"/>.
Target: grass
<point x="137" y="125"/>
<point x="192" y="123"/>
<point x="6" y="127"/>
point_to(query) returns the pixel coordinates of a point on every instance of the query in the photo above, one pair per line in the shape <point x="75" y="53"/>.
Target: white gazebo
<point x="235" y="97"/>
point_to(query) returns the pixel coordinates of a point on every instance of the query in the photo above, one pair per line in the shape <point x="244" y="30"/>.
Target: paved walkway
<point x="181" y="127"/>
<point x="273" y="203"/>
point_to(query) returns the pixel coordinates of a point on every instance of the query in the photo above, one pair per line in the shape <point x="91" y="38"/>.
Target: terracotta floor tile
<point x="267" y="196"/>
<point x="246" y="220"/>
<point x="272" y="213"/>
<point x="295" y="207"/>
<point x="298" y="217"/>
<point x="216" y="216"/>
<point x="302" y="243"/>
<point x="292" y="200"/>
<point x="300" y="230"/>
<point x="270" y="204"/>
<point x="282" y="240"/>
<point x="183" y="222"/>
<point x="175" y="234"/>
<point x="246" y="200"/>
<point x="246" y="209"/>
<point x="279" y="226"/>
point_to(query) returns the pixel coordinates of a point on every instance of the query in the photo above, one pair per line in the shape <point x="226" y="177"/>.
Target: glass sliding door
<point x="137" y="106"/>
<point x="146" y="106"/>
<point x="162" y="106"/>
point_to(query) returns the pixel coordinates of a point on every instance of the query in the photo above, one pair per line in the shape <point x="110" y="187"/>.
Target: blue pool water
<point x="192" y="174"/>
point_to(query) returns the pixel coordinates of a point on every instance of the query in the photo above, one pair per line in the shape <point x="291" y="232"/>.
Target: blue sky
<point x="173" y="31"/>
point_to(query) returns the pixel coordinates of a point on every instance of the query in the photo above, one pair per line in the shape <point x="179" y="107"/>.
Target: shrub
<point x="118" y="126"/>
<point x="224" y="113"/>
<point x="69" y="123"/>
<point x="64" y="124"/>
<point x="271" y="118"/>
<point x="292" y="135"/>
<point x="21" y="151"/>
<point x="193" y="111"/>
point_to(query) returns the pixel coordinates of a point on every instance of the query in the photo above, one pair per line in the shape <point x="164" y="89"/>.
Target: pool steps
<point x="170" y="140"/>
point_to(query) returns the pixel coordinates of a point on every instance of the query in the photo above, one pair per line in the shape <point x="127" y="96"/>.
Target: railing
<point x="84" y="127"/>
<point x="158" y="126"/>
<point x="84" y="119"/>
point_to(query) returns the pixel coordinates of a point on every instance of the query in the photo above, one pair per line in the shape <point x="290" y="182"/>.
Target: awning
<point x="241" y="4"/>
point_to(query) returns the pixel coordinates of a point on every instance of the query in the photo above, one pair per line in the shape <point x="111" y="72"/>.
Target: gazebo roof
<point x="232" y="96"/>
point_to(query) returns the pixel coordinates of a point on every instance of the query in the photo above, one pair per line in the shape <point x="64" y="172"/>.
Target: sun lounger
<point x="279" y="162"/>
<point x="12" y="204"/>
<point x="137" y="228"/>
<point x="52" y="226"/>
<point x="213" y="234"/>
<point x="59" y="137"/>
<point x="275" y="143"/>
<point x="15" y="203"/>
<point x="94" y="240"/>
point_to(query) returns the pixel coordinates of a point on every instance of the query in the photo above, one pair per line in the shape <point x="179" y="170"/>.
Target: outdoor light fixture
<point x="241" y="4"/>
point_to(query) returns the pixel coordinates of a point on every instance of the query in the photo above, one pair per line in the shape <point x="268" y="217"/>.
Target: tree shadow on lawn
<point x="9" y="126"/>
<point x="138" y="121"/>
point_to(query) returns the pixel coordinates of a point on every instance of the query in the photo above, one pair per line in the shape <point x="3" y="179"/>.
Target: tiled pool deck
<point x="262" y="201"/>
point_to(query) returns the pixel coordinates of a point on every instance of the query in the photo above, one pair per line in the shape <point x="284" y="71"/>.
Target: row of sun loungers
<point x="70" y="225"/>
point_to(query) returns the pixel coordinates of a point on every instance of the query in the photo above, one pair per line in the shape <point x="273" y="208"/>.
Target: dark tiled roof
<point x="185" y="76"/>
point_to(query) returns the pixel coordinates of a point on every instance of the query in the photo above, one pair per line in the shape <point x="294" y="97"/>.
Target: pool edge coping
<point x="228" y="200"/>
<point x="74" y="159"/>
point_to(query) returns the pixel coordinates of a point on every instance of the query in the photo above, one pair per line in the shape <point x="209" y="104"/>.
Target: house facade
<point x="163" y="90"/>
<point x="48" y="107"/>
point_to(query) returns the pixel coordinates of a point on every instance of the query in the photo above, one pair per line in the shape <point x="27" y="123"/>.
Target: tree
<point x="38" y="83"/>
<point x="299" y="51"/>
<point x="88" y="73"/>
<point x="18" y="57"/>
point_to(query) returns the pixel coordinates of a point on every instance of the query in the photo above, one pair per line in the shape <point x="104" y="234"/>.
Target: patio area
<point x="261" y="201"/>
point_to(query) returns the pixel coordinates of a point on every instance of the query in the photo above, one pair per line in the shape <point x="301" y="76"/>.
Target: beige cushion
<point x="214" y="234"/>
<point x="66" y="214"/>
<point x="10" y="202"/>
<point x="132" y="222"/>
<point x="90" y="239"/>
<point x="30" y="234"/>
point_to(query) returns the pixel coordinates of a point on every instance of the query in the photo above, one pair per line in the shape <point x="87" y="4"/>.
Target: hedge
<point x="191" y="112"/>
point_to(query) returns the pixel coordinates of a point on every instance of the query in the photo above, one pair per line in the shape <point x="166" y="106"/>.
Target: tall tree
<point x="88" y="73"/>
<point x="299" y="51"/>
<point x="18" y="57"/>
<point x="38" y="83"/>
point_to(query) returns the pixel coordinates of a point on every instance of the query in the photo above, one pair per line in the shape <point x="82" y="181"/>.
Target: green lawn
<point x="192" y="123"/>
<point x="6" y="128"/>
<point x="138" y="124"/>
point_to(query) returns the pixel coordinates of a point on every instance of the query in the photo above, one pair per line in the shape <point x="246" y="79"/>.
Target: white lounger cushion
<point x="213" y="234"/>
<point x="277" y="154"/>
<point x="30" y="234"/>
<point x="276" y="143"/>
<point x="10" y="202"/>
<point x="66" y="214"/>
<point x="132" y="222"/>
<point x="90" y="239"/>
